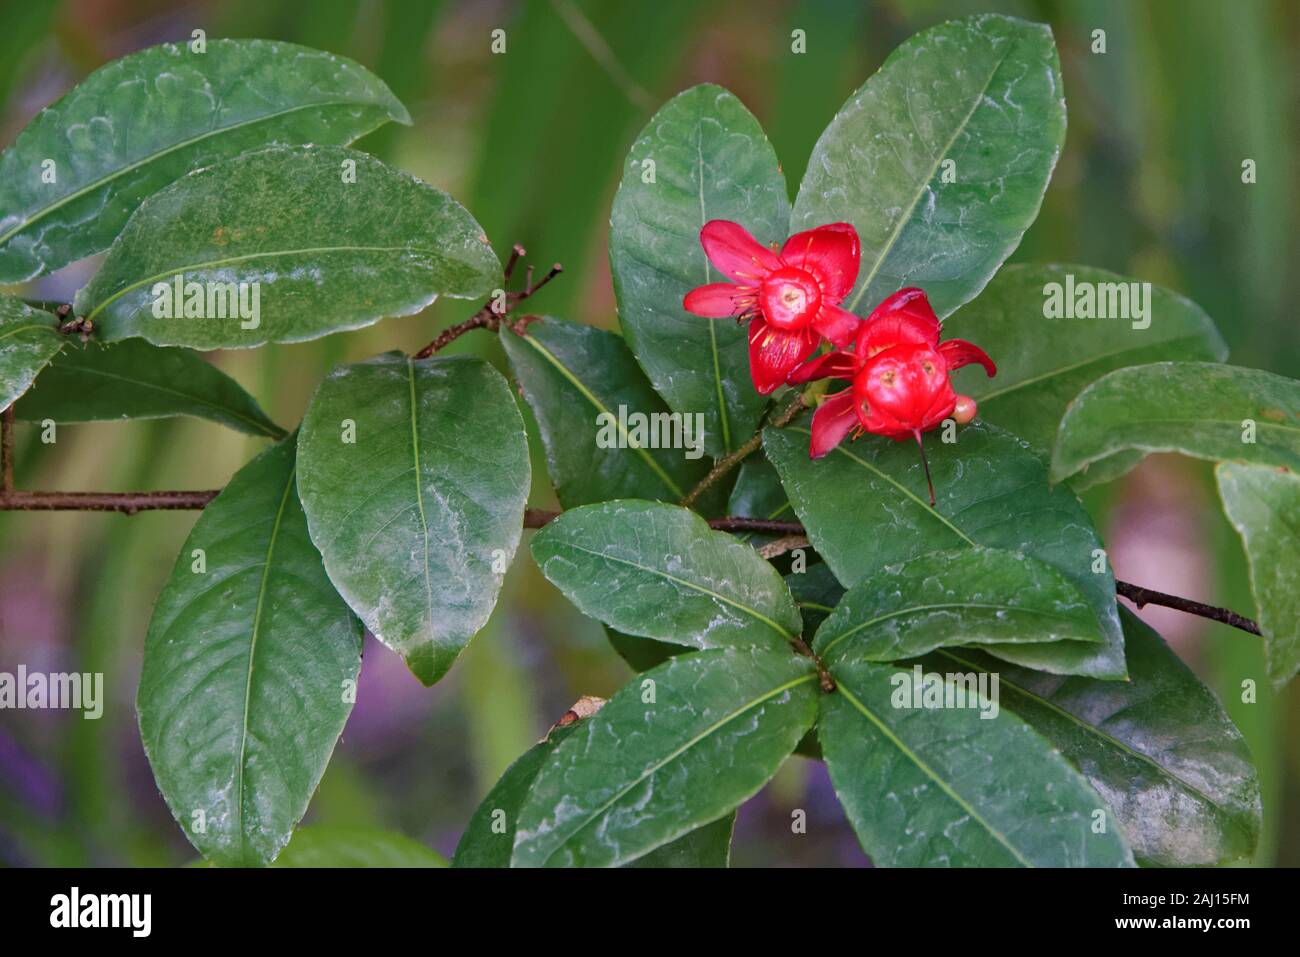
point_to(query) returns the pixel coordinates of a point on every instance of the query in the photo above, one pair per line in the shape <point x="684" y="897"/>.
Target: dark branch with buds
<point x="490" y="316"/>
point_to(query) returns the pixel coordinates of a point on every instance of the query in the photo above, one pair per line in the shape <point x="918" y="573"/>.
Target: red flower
<point x="791" y="299"/>
<point x="899" y="373"/>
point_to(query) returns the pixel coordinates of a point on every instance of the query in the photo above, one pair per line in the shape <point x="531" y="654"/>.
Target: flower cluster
<point x="898" y="370"/>
<point x="791" y="299"/>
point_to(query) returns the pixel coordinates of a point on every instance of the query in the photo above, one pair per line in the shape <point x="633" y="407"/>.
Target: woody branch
<point x="790" y="534"/>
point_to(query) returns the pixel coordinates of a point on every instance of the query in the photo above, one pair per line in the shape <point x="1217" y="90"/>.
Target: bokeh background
<point x="533" y="142"/>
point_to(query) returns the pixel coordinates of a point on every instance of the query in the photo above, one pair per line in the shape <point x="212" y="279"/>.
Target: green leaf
<point x="585" y="389"/>
<point x="659" y="571"/>
<point x="758" y="494"/>
<point x="1200" y="409"/>
<point x="29" y="339"/>
<point x="707" y="846"/>
<point x="1044" y="363"/>
<point x="248" y="667"/>
<point x="319" y="252"/>
<point x="711" y="161"/>
<point x="968" y="596"/>
<point x="135" y="380"/>
<point x="816" y="591"/>
<point x="333" y="846"/>
<point x="1263" y="504"/>
<point x="642" y="654"/>
<point x="984" y="92"/>
<point x="418" y="517"/>
<point x="490" y="835"/>
<point x="864" y="506"/>
<point x="143" y="121"/>
<point x="929" y="786"/>
<point x="678" y="748"/>
<point x="1159" y="748"/>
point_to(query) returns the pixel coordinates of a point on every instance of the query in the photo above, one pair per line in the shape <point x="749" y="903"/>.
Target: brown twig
<point x="488" y="317"/>
<point x="131" y="502"/>
<point x="794" y="536"/>
<point x="127" y="503"/>
<point x="1146" y="596"/>
<point x="729" y="462"/>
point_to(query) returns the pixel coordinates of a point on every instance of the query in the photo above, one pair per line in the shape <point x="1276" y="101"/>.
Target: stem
<point x="925" y="464"/>
<point x="131" y="502"/>
<point x="729" y="462"/>
<point x="488" y="317"/>
<point x="126" y="502"/>
<point x="1146" y="596"/>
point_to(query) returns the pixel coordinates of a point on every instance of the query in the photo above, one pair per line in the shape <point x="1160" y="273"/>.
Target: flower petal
<point x="833" y="420"/>
<point x="905" y="318"/>
<point x="735" y="253"/>
<point x="959" y="352"/>
<point x="832" y="365"/>
<point x="831" y="253"/>
<point x="904" y="389"/>
<point x="718" y="300"/>
<point x="774" y="354"/>
<point x="836" y="324"/>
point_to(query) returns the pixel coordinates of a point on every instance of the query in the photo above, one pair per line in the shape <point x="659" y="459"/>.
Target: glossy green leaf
<point x="319" y="249"/>
<point x="333" y="846"/>
<point x="1263" y="504"/>
<point x="758" y="494"/>
<point x="677" y="748"/>
<point x="29" y="339"/>
<point x="941" y="159"/>
<point x="414" y="474"/>
<point x="967" y="596"/>
<point x="816" y="591"/>
<point x="1044" y="363"/>
<point x="1159" y="748"/>
<point x="864" y="506"/>
<point x="596" y="410"/>
<point x="1200" y="409"/>
<point x="642" y="654"/>
<point x="136" y="380"/>
<point x="490" y="835"/>
<point x="143" y="121"/>
<point x="659" y="571"/>
<point x="935" y="786"/>
<point x="250" y="669"/>
<point x="707" y="846"/>
<point x="711" y="161"/>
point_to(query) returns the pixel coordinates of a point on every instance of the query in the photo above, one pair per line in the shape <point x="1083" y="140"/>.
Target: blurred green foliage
<point x="533" y="142"/>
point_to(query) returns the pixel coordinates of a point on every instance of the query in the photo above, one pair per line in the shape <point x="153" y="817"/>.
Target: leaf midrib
<point x="925" y="508"/>
<point x="144" y="161"/>
<point x="591" y="397"/>
<point x="906" y="217"/>
<point x="272" y="254"/>
<point x="419" y="490"/>
<point x="678" y="752"/>
<point x="1051" y="373"/>
<point x="27" y="328"/>
<point x="252" y="650"/>
<point x="723" y="421"/>
<point x="1098" y="732"/>
<point x="931" y="774"/>
<point x="1017" y="609"/>
<point x="752" y="612"/>
<point x="166" y="390"/>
